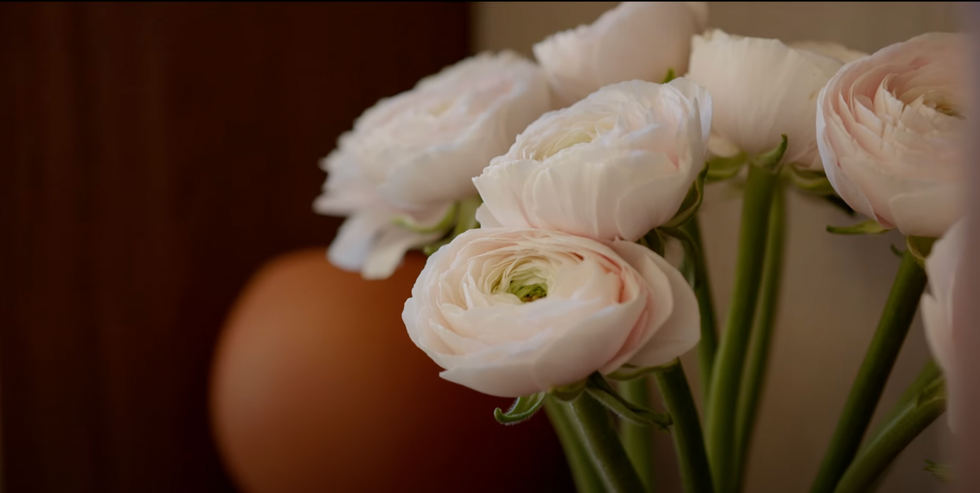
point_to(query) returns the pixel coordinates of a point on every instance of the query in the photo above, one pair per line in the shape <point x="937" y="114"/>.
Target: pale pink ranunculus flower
<point x="890" y="129"/>
<point x="612" y="166"/>
<point x="410" y="157"/>
<point x="763" y="88"/>
<point x="635" y="40"/>
<point x="512" y="312"/>
<point x="942" y="266"/>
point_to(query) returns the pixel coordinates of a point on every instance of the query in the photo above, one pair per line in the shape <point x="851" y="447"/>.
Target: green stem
<point x="638" y="439"/>
<point x="584" y="475"/>
<point x="871" y="378"/>
<point x="917" y="414"/>
<point x="709" y="327"/>
<point x="595" y="430"/>
<point x="688" y="440"/>
<point x="758" y="359"/>
<point x="727" y="375"/>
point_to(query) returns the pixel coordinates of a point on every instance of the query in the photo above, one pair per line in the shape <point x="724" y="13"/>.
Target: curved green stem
<point x="709" y="327"/>
<point x="917" y="414"/>
<point x="871" y="378"/>
<point x="688" y="439"/>
<point x="930" y="372"/>
<point x="758" y="359"/>
<point x="594" y="427"/>
<point x="584" y="475"/>
<point x="638" y="439"/>
<point x="727" y="375"/>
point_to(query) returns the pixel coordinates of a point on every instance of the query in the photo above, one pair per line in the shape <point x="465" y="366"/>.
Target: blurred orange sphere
<point x="317" y="387"/>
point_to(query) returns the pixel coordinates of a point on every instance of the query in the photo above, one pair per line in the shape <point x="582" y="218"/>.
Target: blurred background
<point x="168" y="321"/>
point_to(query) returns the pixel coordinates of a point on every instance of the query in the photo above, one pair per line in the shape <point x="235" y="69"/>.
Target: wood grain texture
<point x="152" y="157"/>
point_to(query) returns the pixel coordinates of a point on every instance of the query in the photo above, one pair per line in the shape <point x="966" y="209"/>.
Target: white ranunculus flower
<point x="612" y="166"/>
<point x="636" y="40"/>
<point x="410" y="157"/>
<point x="890" y="129"/>
<point x="512" y="312"/>
<point x="761" y="88"/>
<point x="937" y="306"/>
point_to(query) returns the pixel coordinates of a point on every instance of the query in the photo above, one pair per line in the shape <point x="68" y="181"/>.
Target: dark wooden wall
<point x="151" y="158"/>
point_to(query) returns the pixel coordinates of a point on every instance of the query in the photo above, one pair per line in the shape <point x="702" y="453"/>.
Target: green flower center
<point x="526" y="279"/>
<point x="530" y="293"/>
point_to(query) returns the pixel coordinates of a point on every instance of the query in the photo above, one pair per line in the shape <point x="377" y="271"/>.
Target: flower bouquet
<point x="547" y="195"/>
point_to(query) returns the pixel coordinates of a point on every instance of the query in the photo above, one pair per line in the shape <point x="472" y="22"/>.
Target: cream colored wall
<point x="834" y="286"/>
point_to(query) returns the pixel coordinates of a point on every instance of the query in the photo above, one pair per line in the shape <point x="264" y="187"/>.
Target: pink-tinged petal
<point x="598" y="309"/>
<point x="680" y="332"/>
<point x="613" y="166"/>
<point x="888" y="125"/>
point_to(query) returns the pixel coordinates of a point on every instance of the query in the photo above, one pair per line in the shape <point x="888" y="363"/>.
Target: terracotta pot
<point x="317" y="387"/>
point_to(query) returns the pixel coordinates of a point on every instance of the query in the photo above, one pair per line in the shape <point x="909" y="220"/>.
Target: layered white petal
<point x="423" y="146"/>
<point x="760" y="89"/>
<point x="596" y="310"/>
<point x="890" y="130"/>
<point x="371" y="243"/>
<point x="635" y="40"/>
<point x="410" y="157"/>
<point x="613" y="166"/>
<point x="937" y="305"/>
<point x="681" y="331"/>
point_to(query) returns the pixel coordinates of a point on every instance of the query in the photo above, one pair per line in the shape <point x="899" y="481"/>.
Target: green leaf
<point x="670" y="76"/>
<point x="869" y="227"/>
<point x="896" y="251"/>
<point x="691" y="251"/>
<point x="811" y="181"/>
<point x="770" y="160"/>
<point x="600" y="389"/>
<point x="521" y="410"/>
<point x="920" y="247"/>
<point x="568" y="393"/>
<point x="691" y="203"/>
<point x="942" y="472"/>
<point x="444" y="224"/>
<point x="723" y="168"/>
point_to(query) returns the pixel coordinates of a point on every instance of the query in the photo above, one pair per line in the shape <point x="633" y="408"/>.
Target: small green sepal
<point x="692" y="201"/>
<point x="942" y="472"/>
<point x="568" y="393"/>
<point x="601" y="391"/>
<point x="771" y="160"/>
<point x="444" y="224"/>
<point x="869" y="227"/>
<point x="920" y="247"/>
<point x="521" y="410"/>
<point x="631" y="372"/>
<point x="462" y="217"/>
<point x="725" y="167"/>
